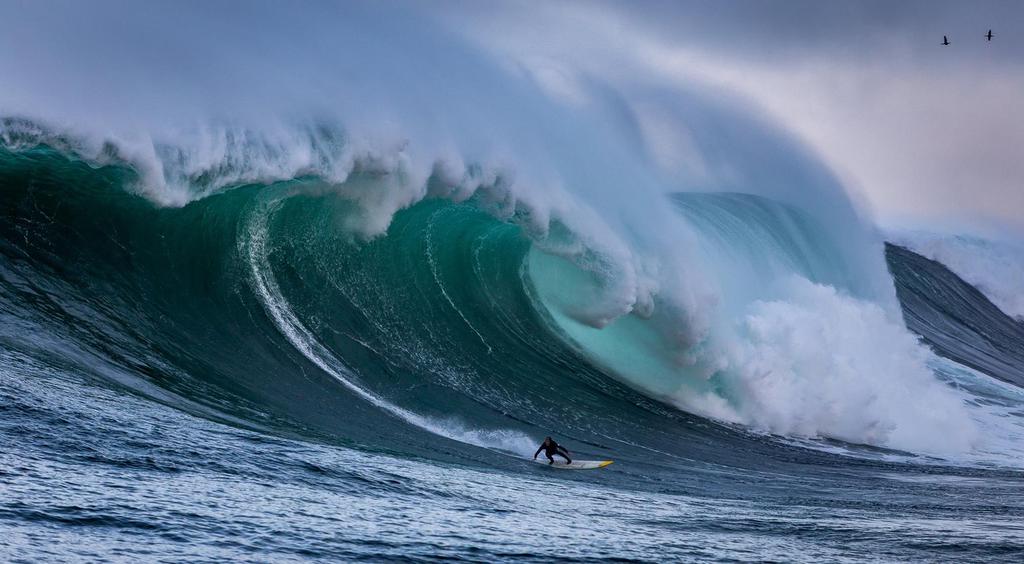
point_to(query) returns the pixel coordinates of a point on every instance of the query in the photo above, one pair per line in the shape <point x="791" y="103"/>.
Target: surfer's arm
<point x="563" y="449"/>
<point x="540" y="448"/>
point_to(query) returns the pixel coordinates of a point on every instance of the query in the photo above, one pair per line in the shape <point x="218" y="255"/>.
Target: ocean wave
<point x="993" y="267"/>
<point x="376" y="269"/>
<point x="459" y="318"/>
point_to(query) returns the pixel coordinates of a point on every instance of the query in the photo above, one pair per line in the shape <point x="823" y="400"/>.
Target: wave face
<point x="956" y="318"/>
<point x="994" y="268"/>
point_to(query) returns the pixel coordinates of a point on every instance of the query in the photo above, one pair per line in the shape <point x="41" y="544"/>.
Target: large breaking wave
<point x="453" y="245"/>
<point x="453" y="320"/>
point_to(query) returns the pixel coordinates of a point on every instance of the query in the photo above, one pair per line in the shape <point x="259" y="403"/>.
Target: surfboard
<point x="576" y="464"/>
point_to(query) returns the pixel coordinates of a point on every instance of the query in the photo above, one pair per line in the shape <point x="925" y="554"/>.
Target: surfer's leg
<point x="567" y="459"/>
<point x="550" y="459"/>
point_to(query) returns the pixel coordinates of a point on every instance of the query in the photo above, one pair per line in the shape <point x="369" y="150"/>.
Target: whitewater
<point x="323" y="297"/>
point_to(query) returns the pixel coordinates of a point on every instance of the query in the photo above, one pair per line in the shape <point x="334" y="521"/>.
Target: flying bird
<point x="945" y="41"/>
<point x="989" y="35"/>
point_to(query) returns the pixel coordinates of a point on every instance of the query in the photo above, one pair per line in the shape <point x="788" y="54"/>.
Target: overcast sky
<point x="931" y="136"/>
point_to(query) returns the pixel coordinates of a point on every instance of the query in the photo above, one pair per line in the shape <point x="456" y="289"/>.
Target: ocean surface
<point x="284" y="284"/>
<point x="247" y="377"/>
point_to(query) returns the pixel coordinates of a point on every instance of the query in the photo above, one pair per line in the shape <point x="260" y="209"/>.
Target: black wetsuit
<point x="552" y="449"/>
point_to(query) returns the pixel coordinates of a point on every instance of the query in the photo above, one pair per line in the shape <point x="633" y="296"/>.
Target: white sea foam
<point x="819" y="363"/>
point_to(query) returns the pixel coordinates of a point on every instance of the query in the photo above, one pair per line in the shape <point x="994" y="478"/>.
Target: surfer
<point x="551" y="448"/>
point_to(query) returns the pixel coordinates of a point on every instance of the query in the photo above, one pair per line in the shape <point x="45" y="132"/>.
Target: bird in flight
<point x="989" y="35"/>
<point x="945" y="41"/>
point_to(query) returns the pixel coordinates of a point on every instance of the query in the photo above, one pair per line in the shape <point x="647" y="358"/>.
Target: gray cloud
<point x="927" y="135"/>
